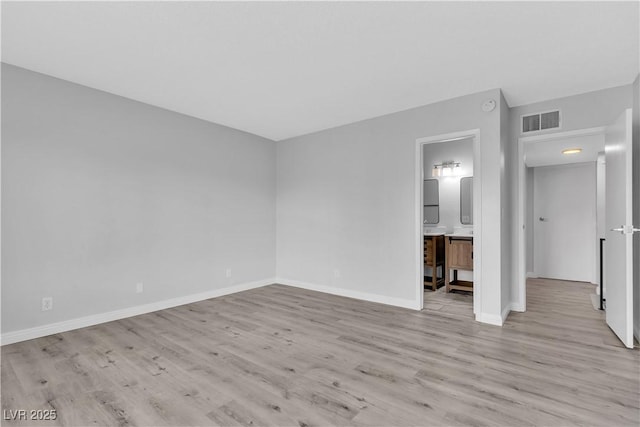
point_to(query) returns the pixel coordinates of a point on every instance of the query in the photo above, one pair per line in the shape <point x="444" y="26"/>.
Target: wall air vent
<point x="541" y="121"/>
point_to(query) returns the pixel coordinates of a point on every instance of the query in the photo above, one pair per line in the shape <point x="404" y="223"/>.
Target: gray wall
<point x="508" y="171"/>
<point x="100" y="192"/>
<point x="592" y="109"/>
<point x="346" y="201"/>
<point x="529" y="219"/>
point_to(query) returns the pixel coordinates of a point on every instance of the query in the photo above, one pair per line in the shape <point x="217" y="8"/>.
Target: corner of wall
<point x="507" y="177"/>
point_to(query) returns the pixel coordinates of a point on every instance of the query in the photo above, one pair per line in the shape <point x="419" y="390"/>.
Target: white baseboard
<point x="397" y="302"/>
<point x="83" y="322"/>
<point x="531" y="275"/>
<point x="505" y="312"/>
<point x="491" y="319"/>
<point x="516" y="306"/>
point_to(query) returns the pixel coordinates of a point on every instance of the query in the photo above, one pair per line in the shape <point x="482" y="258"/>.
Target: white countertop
<point x="464" y="235"/>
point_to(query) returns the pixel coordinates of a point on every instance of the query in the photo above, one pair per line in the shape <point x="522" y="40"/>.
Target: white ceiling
<point x="289" y="68"/>
<point x="547" y="153"/>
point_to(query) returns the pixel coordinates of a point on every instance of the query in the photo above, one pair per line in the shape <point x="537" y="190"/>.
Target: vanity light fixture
<point x="446" y="169"/>
<point x="572" y="151"/>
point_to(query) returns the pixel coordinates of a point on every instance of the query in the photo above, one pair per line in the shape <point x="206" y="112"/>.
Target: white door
<point x="564" y="205"/>
<point x="618" y="249"/>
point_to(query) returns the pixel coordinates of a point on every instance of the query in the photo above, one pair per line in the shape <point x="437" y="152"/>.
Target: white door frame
<point x="521" y="303"/>
<point x="477" y="214"/>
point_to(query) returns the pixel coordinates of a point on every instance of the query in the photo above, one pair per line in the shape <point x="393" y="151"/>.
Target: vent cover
<point x="541" y="121"/>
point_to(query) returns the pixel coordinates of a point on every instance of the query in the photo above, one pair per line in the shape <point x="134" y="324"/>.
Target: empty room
<point x="320" y="213"/>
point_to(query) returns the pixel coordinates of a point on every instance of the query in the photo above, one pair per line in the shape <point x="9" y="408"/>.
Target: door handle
<point x="542" y="219"/>
<point x="626" y="229"/>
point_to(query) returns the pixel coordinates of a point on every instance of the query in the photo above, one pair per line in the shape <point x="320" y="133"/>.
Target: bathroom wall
<point x="449" y="186"/>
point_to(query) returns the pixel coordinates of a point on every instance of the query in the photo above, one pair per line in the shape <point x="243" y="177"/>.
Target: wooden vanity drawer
<point x="434" y="258"/>
<point x="428" y="251"/>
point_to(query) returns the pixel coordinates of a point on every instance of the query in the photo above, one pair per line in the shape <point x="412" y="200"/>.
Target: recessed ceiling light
<point x="572" y="151"/>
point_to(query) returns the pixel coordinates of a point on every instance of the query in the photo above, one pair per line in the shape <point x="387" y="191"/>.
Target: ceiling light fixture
<point x="446" y="169"/>
<point x="572" y="151"/>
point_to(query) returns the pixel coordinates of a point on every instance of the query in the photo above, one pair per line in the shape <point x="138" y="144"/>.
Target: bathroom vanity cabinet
<point x="458" y="256"/>
<point x="434" y="258"/>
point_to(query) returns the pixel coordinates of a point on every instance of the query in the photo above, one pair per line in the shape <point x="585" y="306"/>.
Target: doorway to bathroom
<point x="448" y="208"/>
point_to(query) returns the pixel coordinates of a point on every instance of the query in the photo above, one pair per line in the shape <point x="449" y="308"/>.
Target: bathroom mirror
<point x="466" y="200"/>
<point x="431" y="201"/>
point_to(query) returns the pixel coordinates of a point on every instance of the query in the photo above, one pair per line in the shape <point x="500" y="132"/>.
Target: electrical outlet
<point x="139" y="288"/>
<point x="336" y="273"/>
<point x="47" y="303"/>
<point x="228" y="272"/>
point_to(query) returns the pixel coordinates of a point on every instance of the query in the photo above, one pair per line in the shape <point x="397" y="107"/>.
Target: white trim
<point x="550" y="136"/>
<point x="505" y="313"/>
<point x="477" y="214"/>
<point x="419" y="231"/>
<point x="83" y="322"/>
<point x="365" y="296"/>
<point x="491" y="319"/>
<point x="522" y="274"/>
<point x="629" y="220"/>
<point x="517" y="307"/>
<point x="532" y="275"/>
<point x="495" y="320"/>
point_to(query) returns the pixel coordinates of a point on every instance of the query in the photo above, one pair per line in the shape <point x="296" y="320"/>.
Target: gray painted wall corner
<point x="100" y="193"/>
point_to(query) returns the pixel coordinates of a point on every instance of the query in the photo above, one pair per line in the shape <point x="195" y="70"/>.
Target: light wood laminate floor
<point x="285" y="356"/>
